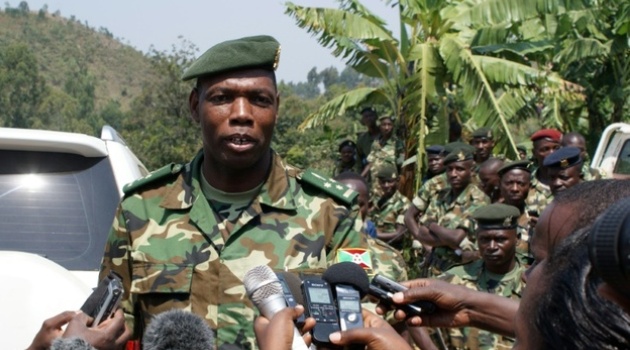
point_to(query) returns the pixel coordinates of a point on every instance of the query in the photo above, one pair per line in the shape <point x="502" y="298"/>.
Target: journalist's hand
<point x="50" y="330"/>
<point x="109" y="335"/>
<point x="277" y="333"/>
<point x="376" y="334"/>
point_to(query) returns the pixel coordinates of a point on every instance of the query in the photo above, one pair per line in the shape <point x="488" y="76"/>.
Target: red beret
<point x="551" y="134"/>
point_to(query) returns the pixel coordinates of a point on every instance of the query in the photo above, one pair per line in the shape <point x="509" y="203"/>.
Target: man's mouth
<point x="240" y="142"/>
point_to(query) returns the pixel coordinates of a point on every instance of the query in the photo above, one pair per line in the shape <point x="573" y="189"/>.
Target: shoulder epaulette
<point x="163" y="172"/>
<point x="329" y="186"/>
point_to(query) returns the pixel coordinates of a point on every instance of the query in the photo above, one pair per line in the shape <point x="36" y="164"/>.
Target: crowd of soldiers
<point x="471" y="221"/>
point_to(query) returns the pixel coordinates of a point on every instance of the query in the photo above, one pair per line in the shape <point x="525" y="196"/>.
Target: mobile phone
<point x="320" y="306"/>
<point x="104" y="299"/>
<point x="384" y="288"/>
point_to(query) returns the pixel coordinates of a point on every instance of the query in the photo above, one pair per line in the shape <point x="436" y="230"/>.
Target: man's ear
<point x="193" y="104"/>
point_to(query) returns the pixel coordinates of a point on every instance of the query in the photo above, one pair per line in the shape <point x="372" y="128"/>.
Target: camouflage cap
<point x="449" y="147"/>
<point x="387" y="171"/>
<point x="386" y="116"/>
<point x="518" y="164"/>
<point x="261" y="51"/>
<point x="496" y="216"/>
<point x="563" y="158"/>
<point x="458" y="155"/>
<point x="483" y="133"/>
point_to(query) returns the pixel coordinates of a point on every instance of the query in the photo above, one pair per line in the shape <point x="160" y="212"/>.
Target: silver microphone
<point x="265" y="291"/>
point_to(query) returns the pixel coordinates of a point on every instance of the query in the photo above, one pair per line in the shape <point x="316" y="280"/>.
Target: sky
<point x="163" y="23"/>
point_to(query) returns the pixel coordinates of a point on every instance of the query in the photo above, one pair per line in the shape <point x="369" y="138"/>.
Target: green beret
<point x="449" y="147"/>
<point x="458" y="155"/>
<point x="496" y="216"/>
<point x="387" y="171"/>
<point x="261" y="51"/>
<point x="518" y="164"/>
<point x="482" y="133"/>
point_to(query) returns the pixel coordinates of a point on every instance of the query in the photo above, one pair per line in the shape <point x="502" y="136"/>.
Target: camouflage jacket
<point x="429" y="190"/>
<point x="341" y="168"/>
<point x="589" y="174"/>
<point x="389" y="214"/>
<point x="454" y="213"/>
<point x="364" y="146"/>
<point x="173" y="251"/>
<point x="391" y="152"/>
<point x="474" y="276"/>
<point x="524" y="230"/>
<point x="538" y="197"/>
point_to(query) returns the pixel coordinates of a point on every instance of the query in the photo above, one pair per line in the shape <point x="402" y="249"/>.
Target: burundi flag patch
<point x="358" y="256"/>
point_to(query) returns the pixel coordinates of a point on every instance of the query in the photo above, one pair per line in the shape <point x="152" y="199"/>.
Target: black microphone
<point x="265" y="291"/>
<point x="350" y="284"/>
<point x="178" y="330"/>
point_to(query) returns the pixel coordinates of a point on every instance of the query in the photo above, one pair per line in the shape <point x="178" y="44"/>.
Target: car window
<point x="57" y="205"/>
<point x="623" y="162"/>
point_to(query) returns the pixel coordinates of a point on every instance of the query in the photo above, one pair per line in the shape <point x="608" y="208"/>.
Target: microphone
<point x="292" y="289"/>
<point x="178" y="330"/>
<point x="350" y="284"/>
<point x="265" y="291"/>
<point x="70" y="344"/>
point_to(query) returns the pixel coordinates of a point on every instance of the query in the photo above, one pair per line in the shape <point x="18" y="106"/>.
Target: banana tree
<point x="433" y="56"/>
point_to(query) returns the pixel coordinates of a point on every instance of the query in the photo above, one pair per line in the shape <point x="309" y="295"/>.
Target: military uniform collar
<point x="275" y="192"/>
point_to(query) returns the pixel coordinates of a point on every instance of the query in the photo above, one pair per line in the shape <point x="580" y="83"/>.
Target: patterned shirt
<point x="429" y="190"/>
<point x="538" y="197"/>
<point x="474" y="276"/>
<point x="453" y="212"/>
<point x="174" y="251"/>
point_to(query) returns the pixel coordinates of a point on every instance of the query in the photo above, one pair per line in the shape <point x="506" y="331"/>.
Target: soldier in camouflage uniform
<point x="446" y="226"/>
<point x="347" y="160"/>
<point x="387" y="149"/>
<point x="483" y="141"/>
<point x="575" y="139"/>
<point x="498" y="272"/>
<point x="545" y="142"/>
<point x="387" y="210"/>
<point x="564" y="168"/>
<point x="365" y="139"/>
<point x="185" y="236"/>
<point x="515" y="184"/>
<point x="435" y="162"/>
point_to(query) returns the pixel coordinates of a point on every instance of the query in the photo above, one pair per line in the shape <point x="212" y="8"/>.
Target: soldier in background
<point x="564" y="168"/>
<point x="447" y="226"/>
<point x="522" y="152"/>
<point x="347" y="160"/>
<point x="498" y="272"/>
<point x="575" y="139"/>
<point x="387" y="149"/>
<point x="483" y="141"/>
<point x="489" y="178"/>
<point x="184" y="236"/>
<point x="366" y="138"/>
<point x="387" y="209"/>
<point x="545" y="142"/>
<point x="435" y="162"/>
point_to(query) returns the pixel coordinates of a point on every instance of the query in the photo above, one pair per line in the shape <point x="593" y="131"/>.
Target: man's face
<point x="575" y="142"/>
<point x="386" y="126"/>
<point x="347" y="154"/>
<point x="483" y="147"/>
<point x="388" y="186"/>
<point x="497" y="248"/>
<point x="368" y="118"/>
<point x="436" y="163"/>
<point x="561" y="179"/>
<point x="489" y="179"/>
<point x="514" y="186"/>
<point x="459" y="174"/>
<point x="543" y="148"/>
<point x="237" y="113"/>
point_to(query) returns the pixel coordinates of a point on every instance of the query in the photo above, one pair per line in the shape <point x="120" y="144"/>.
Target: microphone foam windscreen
<point x="348" y="273"/>
<point x="178" y="330"/>
<point x="295" y="286"/>
<point x="260" y="283"/>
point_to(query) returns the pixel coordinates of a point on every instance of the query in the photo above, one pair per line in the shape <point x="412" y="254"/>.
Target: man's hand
<point x="277" y="333"/>
<point x="110" y="334"/>
<point x="50" y="330"/>
<point x="457" y="306"/>
<point x="376" y="334"/>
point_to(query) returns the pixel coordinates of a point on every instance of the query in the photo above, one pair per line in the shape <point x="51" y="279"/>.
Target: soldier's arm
<point x="411" y="220"/>
<point x="116" y="258"/>
<point x="448" y="237"/>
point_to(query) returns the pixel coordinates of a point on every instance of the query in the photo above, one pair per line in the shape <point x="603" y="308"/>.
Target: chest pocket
<point x="160" y="287"/>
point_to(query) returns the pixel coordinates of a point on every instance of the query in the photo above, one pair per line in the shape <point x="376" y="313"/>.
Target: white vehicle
<point x="613" y="151"/>
<point x="58" y="196"/>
